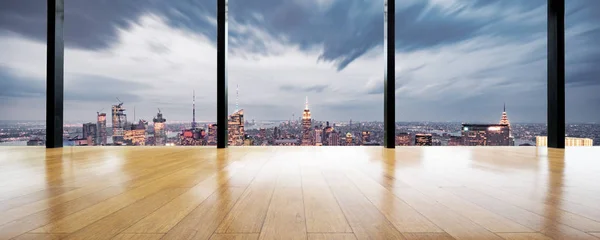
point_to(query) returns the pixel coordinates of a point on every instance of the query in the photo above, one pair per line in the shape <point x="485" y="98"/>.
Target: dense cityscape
<point x="304" y="131"/>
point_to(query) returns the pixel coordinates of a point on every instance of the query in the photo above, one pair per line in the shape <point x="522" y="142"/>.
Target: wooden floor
<point x="299" y="193"/>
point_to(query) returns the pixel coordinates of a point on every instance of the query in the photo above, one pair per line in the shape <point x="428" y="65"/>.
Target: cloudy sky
<point x="457" y="60"/>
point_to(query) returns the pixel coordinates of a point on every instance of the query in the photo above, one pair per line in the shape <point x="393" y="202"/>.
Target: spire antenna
<point x="504" y="106"/>
<point x="306" y="104"/>
<point x="194" y="108"/>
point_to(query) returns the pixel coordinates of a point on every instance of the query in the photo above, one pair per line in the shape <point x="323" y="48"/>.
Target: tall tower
<point x="194" y="109"/>
<point x="306" y="126"/>
<point x="504" y="119"/>
<point x="160" y="135"/>
<point x="101" y="122"/>
<point x="119" y="121"/>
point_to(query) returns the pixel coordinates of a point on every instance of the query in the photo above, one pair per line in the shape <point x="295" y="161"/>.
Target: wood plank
<point x="248" y="214"/>
<point x="204" y="220"/>
<point x="235" y="236"/>
<point x="285" y="217"/>
<point x="364" y="218"/>
<point x="39" y="219"/>
<point x="404" y="218"/>
<point x="451" y="222"/>
<point x="323" y="214"/>
<point x="40" y="236"/>
<point x="33" y="197"/>
<point x="428" y="236"/>
<point x="89" y="215"/>
<point x="113" y="224"/>
<point x="331" y="236"/>
<point x="524" y="236"/>
<point x="138" y="236"/>
<point x="162" y="220"/>
<point x="536" y="222"/>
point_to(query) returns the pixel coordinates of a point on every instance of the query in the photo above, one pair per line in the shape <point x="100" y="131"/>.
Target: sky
<point x="456" y="60"/>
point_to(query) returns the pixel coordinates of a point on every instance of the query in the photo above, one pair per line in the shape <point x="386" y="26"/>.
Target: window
<point x="470" y="72"/>
<point x="22" y="73"/>
<point x="139" y="74"/>
<point x="582" y="76"/>
<point x="305" y="73"/>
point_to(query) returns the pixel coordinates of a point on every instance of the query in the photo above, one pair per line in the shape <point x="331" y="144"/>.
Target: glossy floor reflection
<point x="299" y="193"/>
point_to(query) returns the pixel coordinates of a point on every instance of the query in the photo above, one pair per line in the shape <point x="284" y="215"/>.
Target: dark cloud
<point x="12" y="85"/>
<point x="91" y="88"/>
<point x="293" y="88"/>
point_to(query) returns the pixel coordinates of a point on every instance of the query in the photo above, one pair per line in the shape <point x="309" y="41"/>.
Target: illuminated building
<point x="101" y="122"/>
<point x="403" y="139"/>
<point x="212" y="135"/>
<point x="349" y="139"/>
<point x="485" y="135"/>
<point x="192" y="137"/>
<point x="236" y="128"/>
<point x="136" y="134"/>
<point x="366" y="137"/>
<point x="455" y="141"/>
<point x="160" y="134"/>
<point x="504" y="121"/>
<point x="318" y="136"/>
<point x="334" y="138"/>
<point x="119" y="122"/>
<point x="90" y="133"/>
<point x="306" y="126"/>
<point x="542" y="141"/>
<point x="248" y="141"/>
<point x="423" y="140"/>
<point x="286" y="142"/>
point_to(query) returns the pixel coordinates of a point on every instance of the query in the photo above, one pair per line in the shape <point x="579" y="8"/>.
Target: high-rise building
<point x="90" y="133"/>
<point x="423" y="140"/>
<point x="212" y="135"/>
<point x="160" y="133"/>
<point x="236" y="128"/>
<point x="403" y="139"/>
<point x="307" y="139"/>
<point x="135" y="134"/>
<point x="119" y="122"/>
<point x="349" y="139"/>
<point x="101" y="122"/>
<point x="276" y="133"/>
<point x="455" y="141"/>
<point x="485" y="135"/>
<point x="366" y="137"/>
<point x="504" y="119"/>
<point x="334" y="138"/>
<point x="318" y="135"/>
<point x="542" y="141"/>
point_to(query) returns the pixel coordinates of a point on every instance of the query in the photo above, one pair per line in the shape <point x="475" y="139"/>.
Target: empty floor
<point x="299" y="193"/>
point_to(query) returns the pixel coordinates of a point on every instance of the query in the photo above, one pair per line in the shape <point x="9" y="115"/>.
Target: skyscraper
<point x="334" y="138"/>
<point x="349" y="139"/>
<point x="90" y="133"/>
<point x="485" y="135"/>
<point x="212" y="134"/>
<point x="119" y="122"/>
<point x="423" y="140"/>
<point x="160" y="134"/>
<point x="366" y="137"/>
<point x="135" y="134"/>
<point x="236" y="128"/>
<point x="306" y="126"/>
<point x="101" y="122"/>
<point x="504" y="119"/>
<point x="318" y="135"/>
<point x="403" y="139"/>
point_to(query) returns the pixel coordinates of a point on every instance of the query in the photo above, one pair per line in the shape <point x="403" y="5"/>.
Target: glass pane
<point x="582" y="73"/>
<point x="22" y="72"/>
<point x="470" y="72"/>
<point x="139" y="72"/>
<point x="305" y="72"/>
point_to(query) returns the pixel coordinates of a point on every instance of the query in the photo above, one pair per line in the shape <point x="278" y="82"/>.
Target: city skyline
<point x="156" y="52"/>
